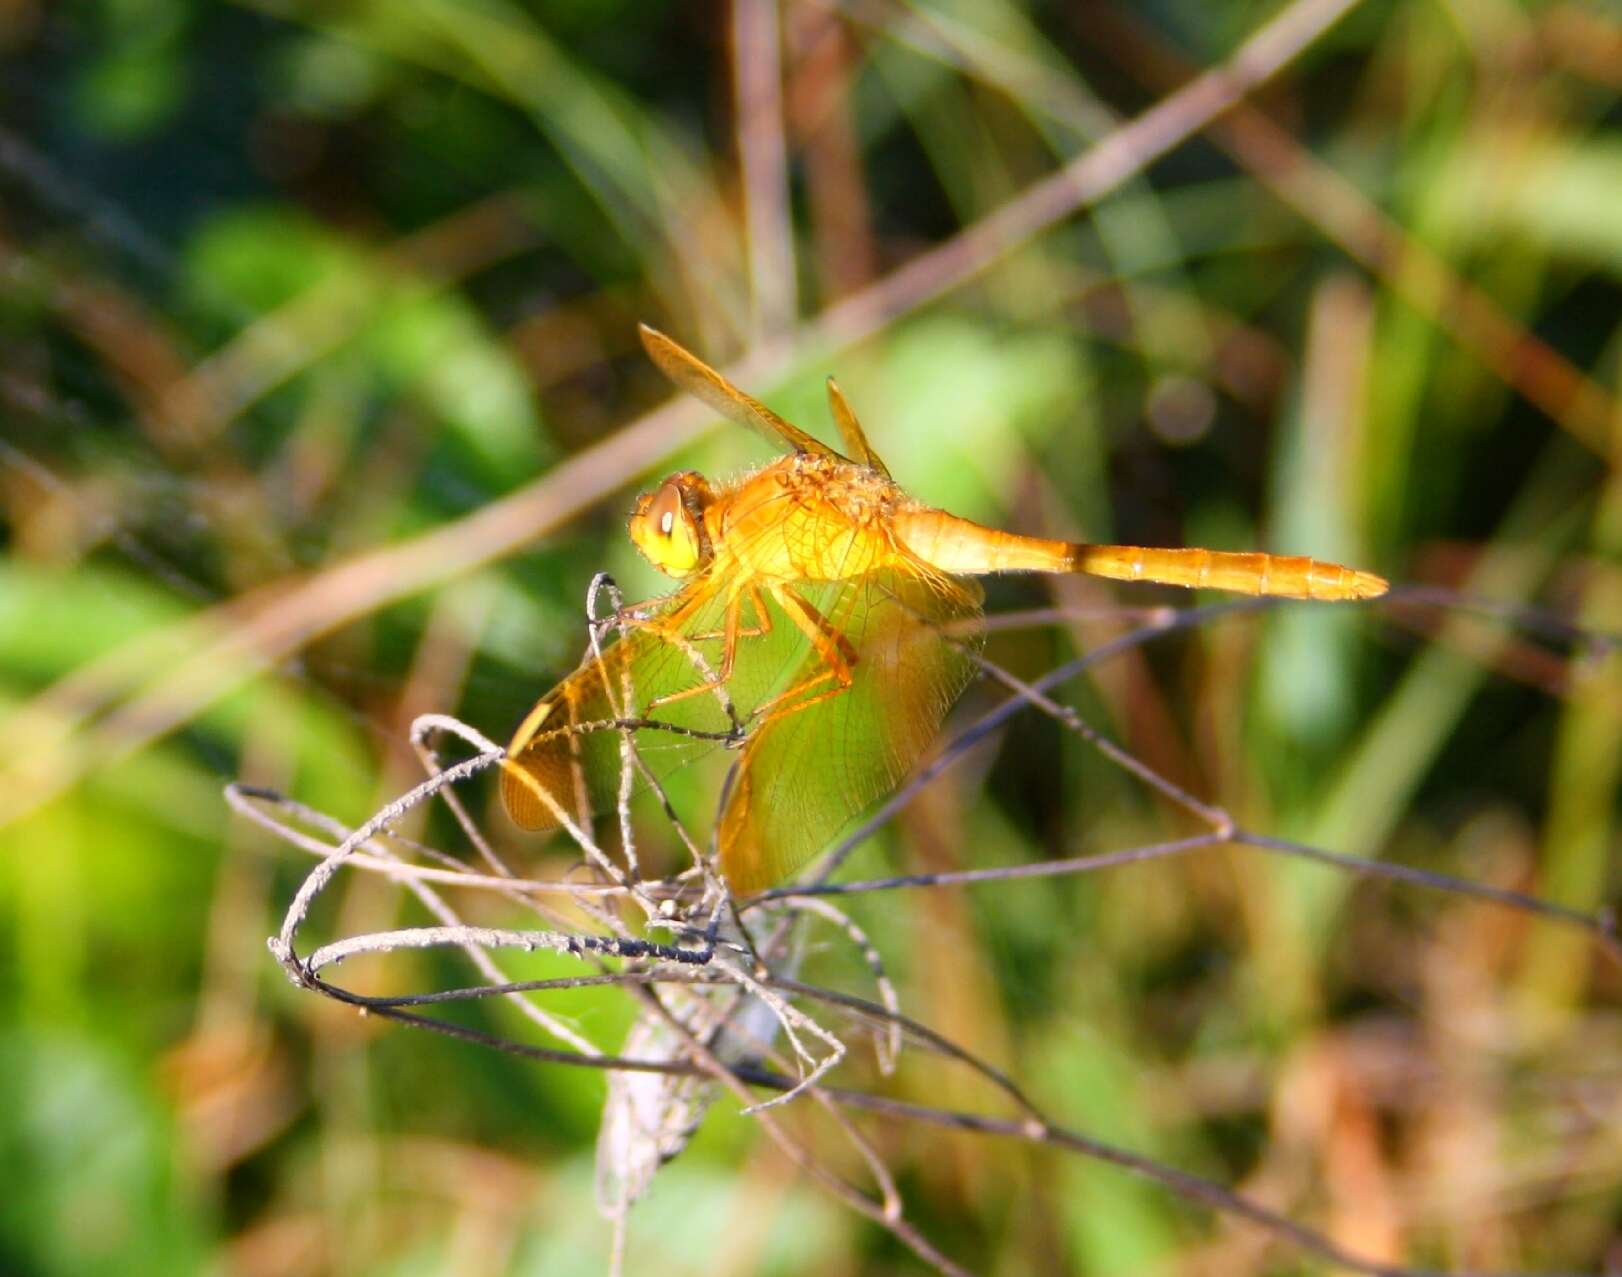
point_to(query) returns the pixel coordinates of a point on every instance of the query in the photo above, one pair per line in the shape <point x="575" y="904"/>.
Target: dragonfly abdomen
<point x="963" y="547"/>
<point x="1283" y="576"/>
<point x="956" y="545"/>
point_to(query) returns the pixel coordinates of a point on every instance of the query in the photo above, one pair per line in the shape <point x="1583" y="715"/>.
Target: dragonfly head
<point x="668" y="524"/>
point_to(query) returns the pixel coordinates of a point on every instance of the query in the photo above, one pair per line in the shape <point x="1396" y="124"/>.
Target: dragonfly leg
<point x="697" y="689"/>
<point x="838" y="656"/>
<point x="729" y="635"/>
<point x="763" y="618"/>
<point x="733" y="630"/>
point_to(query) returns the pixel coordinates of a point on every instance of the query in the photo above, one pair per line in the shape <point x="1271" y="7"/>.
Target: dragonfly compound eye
<point x="667" y="531"/>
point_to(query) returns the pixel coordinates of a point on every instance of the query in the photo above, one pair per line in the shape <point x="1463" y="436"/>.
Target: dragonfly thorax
<point x="804" y="517"/>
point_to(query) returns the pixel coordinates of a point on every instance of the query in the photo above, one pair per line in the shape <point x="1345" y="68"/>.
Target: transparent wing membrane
<point x="722" y="397"/>
<point x="850" y="430"/>
<point x="815" y="753"/>
<point x="805" y="774"/>
<point x="568" y="746"/>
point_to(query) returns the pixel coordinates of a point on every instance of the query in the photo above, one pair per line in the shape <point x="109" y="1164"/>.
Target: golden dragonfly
<point x="815" y="621"/>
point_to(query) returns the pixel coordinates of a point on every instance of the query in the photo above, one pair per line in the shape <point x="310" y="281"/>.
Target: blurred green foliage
<point x="283" y="282"/>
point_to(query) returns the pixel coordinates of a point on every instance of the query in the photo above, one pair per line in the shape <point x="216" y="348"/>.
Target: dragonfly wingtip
<point x="658" y="344"/>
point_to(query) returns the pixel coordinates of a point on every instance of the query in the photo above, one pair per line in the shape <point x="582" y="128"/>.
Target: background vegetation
<point x="320" y="403"/>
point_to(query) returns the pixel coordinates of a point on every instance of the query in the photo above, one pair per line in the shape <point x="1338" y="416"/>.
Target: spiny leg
<point x="835" y="650"/>
<point x="763" y="620"/>
<point x="763" y="626"/>
<point x="668" y="630"/>
<point x="731" y="632"/>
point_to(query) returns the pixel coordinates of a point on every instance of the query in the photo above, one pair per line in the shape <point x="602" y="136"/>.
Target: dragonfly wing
<point x="567" y="747"/>
<point x="701" y="381"/>
<point x="806" y="773"/>
<point x="850" y="430"/>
